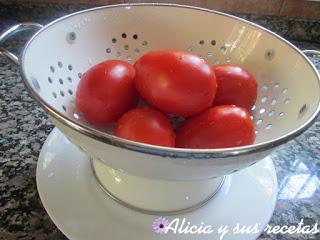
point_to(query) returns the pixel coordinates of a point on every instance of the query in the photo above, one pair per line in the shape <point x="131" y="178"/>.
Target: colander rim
<point x="185" y="153"/>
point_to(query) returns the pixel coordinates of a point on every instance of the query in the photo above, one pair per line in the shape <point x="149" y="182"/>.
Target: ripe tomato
<point x="106" y="91"/>
<point x="235" y="86"/>
<point x="217" y="127"/>
<point x="147" y="126"/>
<point x="175" y="82"/>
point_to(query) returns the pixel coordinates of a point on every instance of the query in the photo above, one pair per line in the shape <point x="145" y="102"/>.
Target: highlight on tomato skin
<point x="106" y="91"/>
<point x="146" y="125"/>
<point x="218" y="127"/>
<point x="175" y="82"/>
<point x="236" y="85"/>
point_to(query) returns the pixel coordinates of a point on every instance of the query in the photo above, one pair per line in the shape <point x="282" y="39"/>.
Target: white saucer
<point x="81" y="210"/>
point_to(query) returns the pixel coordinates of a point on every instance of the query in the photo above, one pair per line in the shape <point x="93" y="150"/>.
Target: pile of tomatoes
<point x="214" y="101"/>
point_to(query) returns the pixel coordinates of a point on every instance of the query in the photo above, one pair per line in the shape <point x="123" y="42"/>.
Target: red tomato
<point x="217" y="127"/>
<point x="178" y="83"/>
<point x="106" y="91"/>
<point x="235" y="86"/>
<point x="147" y="126"/>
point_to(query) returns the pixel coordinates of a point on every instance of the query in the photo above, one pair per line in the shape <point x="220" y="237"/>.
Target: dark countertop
<point x="24" y="128"/>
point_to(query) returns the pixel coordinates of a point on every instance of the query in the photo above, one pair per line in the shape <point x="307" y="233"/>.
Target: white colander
<point x="54" y="59"/>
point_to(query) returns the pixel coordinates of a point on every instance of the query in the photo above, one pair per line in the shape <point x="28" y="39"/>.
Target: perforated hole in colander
<point x="303" y="110"/>
<point x="259" y="121"/>
<point x="264" y="99"/>
<point x="269" y="126"/>
<point x="191" y="49"/>
<point x="223" y="50"/>
<point x="264" y="88"/>
<point x="271" y="113"/>
<point x="35" y="84"/>
<point x="262" y="111"/>
<point x="276" y="86"/>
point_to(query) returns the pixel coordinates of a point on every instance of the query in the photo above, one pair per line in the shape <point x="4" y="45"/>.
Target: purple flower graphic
<point x="160" y="225"/>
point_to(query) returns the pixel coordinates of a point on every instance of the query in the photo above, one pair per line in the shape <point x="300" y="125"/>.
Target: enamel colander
<point x="58" y="54"/>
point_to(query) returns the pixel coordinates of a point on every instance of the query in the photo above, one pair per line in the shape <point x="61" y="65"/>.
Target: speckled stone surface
<point x="24" y="128"/>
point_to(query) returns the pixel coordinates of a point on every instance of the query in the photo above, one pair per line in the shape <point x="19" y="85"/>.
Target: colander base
<point x="154" y="196"/>
<point x="80" y="209"/>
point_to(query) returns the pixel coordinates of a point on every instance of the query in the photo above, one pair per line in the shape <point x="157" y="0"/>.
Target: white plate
<point x="81" y="210"/>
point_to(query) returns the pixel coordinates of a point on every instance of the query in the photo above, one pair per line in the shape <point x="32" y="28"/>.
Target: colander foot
<point x="154" y="196"/>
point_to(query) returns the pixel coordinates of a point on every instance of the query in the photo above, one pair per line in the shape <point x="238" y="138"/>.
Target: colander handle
<point x="316" y="52"/>
<point x="12" y="31"/>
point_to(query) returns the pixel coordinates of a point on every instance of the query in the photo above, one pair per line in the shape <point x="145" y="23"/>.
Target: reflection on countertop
<point x="303" y="184"/>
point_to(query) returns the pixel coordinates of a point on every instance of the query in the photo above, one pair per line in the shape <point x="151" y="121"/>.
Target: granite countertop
<point x="24" y="128"/>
